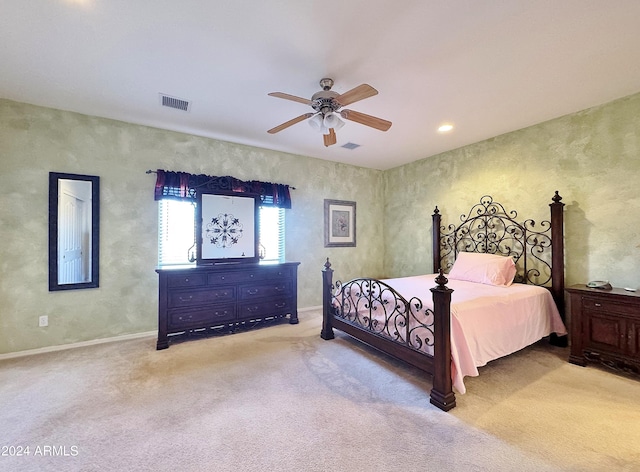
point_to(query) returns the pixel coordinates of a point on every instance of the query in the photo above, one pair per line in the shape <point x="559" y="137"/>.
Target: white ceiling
<point x="488" y="67"/>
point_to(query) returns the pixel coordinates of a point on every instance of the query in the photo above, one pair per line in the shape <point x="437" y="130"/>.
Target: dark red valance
<point x="183" y="186"/>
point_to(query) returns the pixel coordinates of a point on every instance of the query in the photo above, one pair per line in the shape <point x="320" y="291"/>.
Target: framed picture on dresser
<point x="226" y="228"/>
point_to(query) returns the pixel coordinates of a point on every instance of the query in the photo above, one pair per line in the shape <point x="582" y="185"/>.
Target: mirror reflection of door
<point x="74" y="231"/>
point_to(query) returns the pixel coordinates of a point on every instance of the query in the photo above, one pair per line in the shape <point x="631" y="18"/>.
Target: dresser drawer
<point x="186" y="280"/>
<point x="279" y="272"/>
<point x="201" y="318"/>
<point x="184" y="298"/>
<point x="218" y="278"/>
<point x="266" y="289"/>
<point x="607" y="306"/>
<point x="266" y="308"/>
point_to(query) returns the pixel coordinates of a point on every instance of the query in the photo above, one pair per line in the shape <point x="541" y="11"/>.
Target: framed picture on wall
<point x="339" y="223"/>
<point x="227" y="228"/>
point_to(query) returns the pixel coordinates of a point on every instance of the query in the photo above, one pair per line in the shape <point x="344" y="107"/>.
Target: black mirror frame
<point x="54" y="178"/>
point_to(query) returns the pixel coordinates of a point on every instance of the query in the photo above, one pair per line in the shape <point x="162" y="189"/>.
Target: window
<point x="272" y="233"/>
<point x="176" y="233"/>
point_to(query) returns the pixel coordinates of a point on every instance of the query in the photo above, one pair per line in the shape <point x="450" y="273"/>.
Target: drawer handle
<point x="222" y="277"/>
<point x="182" y="299"/>
<point x="221" y="294"/>
<point x="253" y="291"/>
<point x="252" y="309"/>
<point x="186" y="279"/>
<point x="279" y="288"/>
<point x="281" y="305"/>
<point x="598" y="304"/>
<point x="184" y="318"/>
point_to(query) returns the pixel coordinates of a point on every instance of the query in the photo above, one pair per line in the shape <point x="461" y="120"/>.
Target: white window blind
<point x="272" y="233"/>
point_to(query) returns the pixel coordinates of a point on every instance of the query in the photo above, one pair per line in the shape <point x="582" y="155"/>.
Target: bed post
<point x="557" y="262"/>
<point x="327" y="283"/>
<point x="435" y="239"/>
<point x="442" y="394"/>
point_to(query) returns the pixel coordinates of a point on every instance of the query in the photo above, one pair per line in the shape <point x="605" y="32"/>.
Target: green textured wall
<point x="591" y="157"/>
<point x="35" y="141"/>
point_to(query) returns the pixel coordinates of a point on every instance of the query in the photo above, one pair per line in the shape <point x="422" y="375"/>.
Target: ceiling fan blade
<point x="367" y="120"/>
<point x="355" y="94"/>
<point x="290" y="123"/>
<point x="330" y="138"/>
<point x="286" y="96"/>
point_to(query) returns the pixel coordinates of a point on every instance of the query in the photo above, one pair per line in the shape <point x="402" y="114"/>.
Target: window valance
<point x="183" y="186"/>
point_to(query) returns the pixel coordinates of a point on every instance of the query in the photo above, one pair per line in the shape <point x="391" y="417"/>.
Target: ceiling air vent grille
<point x="350" y="146"/>
<point x="173" y="102"/>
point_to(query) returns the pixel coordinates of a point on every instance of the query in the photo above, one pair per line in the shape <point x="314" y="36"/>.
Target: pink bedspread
<point x="487" y="322"/>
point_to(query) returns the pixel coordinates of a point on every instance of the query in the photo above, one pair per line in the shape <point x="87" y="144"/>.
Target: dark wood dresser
<point x="224" y="297"/>
<point x="605" y="327"/>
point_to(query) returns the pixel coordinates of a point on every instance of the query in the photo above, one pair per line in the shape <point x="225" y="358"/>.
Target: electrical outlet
<point x="43" y="321"/>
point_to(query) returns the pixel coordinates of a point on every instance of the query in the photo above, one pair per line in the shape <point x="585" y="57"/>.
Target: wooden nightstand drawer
<point x="607" y="306"/>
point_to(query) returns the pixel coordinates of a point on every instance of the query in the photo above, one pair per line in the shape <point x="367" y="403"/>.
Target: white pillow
<point x="490" y="269"/>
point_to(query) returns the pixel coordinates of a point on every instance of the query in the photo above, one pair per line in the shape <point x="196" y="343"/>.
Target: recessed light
<point x="445" y="128"/>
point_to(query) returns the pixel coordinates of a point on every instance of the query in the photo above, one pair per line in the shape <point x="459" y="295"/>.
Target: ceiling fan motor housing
<point x="324" y="101"/>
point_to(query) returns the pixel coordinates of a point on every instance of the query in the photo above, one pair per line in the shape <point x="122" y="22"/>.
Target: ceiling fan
<point x="327" y="106"/>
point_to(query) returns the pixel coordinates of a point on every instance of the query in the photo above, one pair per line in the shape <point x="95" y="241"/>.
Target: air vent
<point x="173" y="102"/>
<point x="350" y="146"/>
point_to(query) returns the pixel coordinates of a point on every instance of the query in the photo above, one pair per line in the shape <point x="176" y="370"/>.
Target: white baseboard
<point x="62" y="347"/>
<point x="310" y="308"/>
<point x="124" y="337"/>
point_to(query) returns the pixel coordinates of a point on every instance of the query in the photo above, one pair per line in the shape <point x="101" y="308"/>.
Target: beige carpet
<point x="282" y="399"/>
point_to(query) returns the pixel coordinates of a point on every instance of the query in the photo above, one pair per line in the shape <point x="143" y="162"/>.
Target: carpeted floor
<point x="282" y="399"/>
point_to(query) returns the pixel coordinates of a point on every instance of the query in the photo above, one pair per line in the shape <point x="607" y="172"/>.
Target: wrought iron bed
<point x="374" y="312"/>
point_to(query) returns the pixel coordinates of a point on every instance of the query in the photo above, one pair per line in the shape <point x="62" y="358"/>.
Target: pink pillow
<point x="490" y="269"/>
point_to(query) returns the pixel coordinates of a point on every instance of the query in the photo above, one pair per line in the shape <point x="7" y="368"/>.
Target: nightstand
<point x="605" y="327"/>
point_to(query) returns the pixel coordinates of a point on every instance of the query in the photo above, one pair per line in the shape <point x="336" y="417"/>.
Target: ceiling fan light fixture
<point x="331" y="120"/>
<point x="317" y="123"/>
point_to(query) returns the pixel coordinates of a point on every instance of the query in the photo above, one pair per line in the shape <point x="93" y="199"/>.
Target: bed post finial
<point x="441" y="280"/>
<point x="327" y="288"/>
<point x="435" y="239"/>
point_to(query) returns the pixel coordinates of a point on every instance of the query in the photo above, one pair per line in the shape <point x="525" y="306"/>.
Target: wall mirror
<point x="74" y="231"/>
